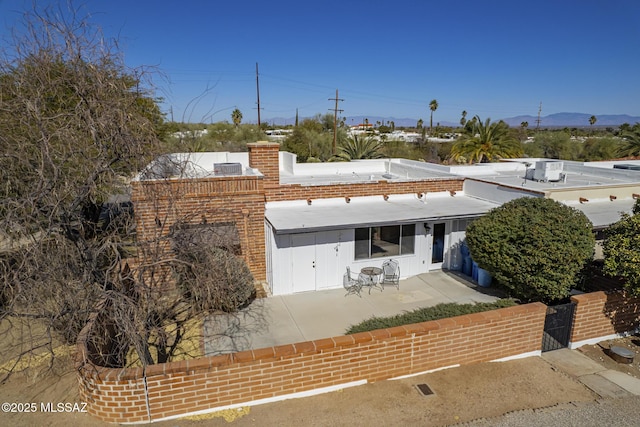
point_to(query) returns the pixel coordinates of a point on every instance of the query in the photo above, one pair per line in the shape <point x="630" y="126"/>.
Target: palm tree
<point x="523" y="130"/>
<point x="236" y="117"/>
<point x="486" y="142"/>
<point x="463" y="119"/>
<point x="631" y="144"/>
<point x="354" y="148"/>
<point x="433" y="106"/>
<point x="592" y="121"/>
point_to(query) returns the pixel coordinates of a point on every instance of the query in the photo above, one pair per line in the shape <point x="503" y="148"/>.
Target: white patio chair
<point x="351" y="285"/>
<point x="391" y="273"/>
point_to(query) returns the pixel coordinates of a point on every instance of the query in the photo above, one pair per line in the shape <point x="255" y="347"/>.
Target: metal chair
<point x="351" y="285"/>
<point x="391" y="273"/>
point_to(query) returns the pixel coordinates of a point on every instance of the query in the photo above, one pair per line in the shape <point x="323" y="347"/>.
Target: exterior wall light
<point x="309" y="202"/>
<point x="386" y="197"/>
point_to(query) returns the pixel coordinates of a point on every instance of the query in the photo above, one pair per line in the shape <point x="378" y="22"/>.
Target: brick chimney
<point x="263" y="155"/>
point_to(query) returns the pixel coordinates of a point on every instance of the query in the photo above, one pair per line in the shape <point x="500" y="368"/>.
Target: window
<point x="384" y="241"/>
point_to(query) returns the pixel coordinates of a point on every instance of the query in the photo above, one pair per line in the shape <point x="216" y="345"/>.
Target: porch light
<point x="420" y="195"/>
<point x="612" y="197"/>
<point x="386" y="197"/>
<point x="347" y="199"/>
<point x="452" y="192"/>
<point x="427" y="228"/>
<point x="309" y="202"/>
<point x="635" y="196"/>
<point x="583" y="200"/>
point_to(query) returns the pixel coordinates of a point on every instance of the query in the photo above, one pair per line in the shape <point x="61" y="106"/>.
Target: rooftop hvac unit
<point x="548" y="171"/>
<point x="227" y="168"/>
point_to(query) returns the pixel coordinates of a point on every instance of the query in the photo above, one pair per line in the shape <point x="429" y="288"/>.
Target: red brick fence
<point x="178" y="388"/>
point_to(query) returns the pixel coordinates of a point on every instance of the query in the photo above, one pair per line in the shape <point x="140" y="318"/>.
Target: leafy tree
<point x="75" y="124"/>
<point x="433" y="106"/>
<point x="419" y="124"/>
<point x="621" y="250"/>
<point x="593" y="120"/>
<point x="600" y="148"/>
<point x="401" y="149"/>
<point x="534" y="247"/>
<point x="354" y="148"/>
<point x="486" y="142"/>
<point x="554" y="145"/>
<point x="236" y="117"/>
<point x="310" y="142"/>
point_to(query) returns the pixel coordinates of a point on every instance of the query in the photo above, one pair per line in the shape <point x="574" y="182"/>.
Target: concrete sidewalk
<point x="322" y="314"/>
<point x="606" y="383"/>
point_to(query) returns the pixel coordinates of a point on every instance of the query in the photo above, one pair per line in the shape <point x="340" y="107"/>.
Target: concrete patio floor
<point x="309" y="316"/>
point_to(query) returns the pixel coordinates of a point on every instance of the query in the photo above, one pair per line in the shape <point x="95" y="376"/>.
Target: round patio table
<point x="372" y="276"/>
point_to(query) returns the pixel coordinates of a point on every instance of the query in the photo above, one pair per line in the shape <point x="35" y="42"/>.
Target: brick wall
<point x="264" y="156"/>
<point x="158" y="205"/>
<point x="375" y="188"/>
<point x="602" y="315"/>
<point x="120" y="395"/>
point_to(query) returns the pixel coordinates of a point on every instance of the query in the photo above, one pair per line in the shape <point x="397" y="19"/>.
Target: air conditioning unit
<point x="548" y="170"/>
<point x="227" y="168"/>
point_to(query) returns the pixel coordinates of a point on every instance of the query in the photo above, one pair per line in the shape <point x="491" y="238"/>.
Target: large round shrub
<point x="622" y="250"/>
<point x="534" y="247"/>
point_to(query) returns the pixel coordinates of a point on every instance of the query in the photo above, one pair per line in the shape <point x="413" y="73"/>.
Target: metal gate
<point x="557" y="326"/>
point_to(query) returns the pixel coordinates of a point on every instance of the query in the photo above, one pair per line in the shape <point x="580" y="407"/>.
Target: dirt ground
<point x="460" y="394"/>
<point x="599" y="353"/>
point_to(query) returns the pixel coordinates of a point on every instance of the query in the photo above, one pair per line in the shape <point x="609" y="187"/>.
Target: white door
<point x="303" y="255"/>
<point x="437" y="244"/>
<point x="328" y="265"/>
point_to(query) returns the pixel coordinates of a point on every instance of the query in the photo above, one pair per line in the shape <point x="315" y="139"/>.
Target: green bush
<point x="440" y="311"/>
<point x="534" y="247"/>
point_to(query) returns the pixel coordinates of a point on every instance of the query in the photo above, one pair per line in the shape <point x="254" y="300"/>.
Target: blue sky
<point x="494" y="58"/>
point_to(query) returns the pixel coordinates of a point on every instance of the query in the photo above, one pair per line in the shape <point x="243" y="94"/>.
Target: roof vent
<point x="227" y="168"/>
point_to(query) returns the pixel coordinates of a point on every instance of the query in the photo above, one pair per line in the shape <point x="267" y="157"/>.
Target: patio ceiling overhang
<point x="336" y="214"/>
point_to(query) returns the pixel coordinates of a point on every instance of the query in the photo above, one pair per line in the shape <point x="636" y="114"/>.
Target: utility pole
<point x="538" y="119"/>
<point x="258" y="91"/>
<point x="335" y="120"/>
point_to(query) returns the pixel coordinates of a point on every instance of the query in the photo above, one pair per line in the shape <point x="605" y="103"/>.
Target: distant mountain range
<point x="573" y="120"/>
<point x="552" y="120"/>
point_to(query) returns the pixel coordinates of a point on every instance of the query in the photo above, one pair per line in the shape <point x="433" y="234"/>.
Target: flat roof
<point x="332" y="214"/>
<point x="604" y="213"/>
<point x="513" y="172"/>
<point x="359" y="171"/>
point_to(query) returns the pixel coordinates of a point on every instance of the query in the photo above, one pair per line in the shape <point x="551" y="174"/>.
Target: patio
<point x="322" y="314"/>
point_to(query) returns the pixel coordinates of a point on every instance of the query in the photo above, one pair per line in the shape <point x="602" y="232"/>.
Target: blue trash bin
<point x="474" y="271"/>
<point x="484" y="278"/>
<point x="466" y="265"/>
<point x="466" y="260"/>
